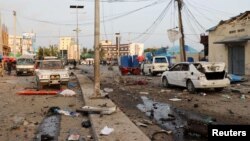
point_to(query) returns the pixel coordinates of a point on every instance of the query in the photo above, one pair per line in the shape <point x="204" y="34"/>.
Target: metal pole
<point x="97" y="50"/>
<point x="77" y="40"/>
<point x="182" y="42"/>
<point x="1" y="39"/>
<point x="14" y="42"/>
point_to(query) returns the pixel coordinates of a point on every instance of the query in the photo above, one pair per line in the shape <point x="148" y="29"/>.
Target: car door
<point x="172" y="75"/>
<point x="183" y="75"/>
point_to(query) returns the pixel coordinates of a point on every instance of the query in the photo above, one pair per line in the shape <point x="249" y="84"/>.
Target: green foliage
<point x="150" y="50"/>
<point x="52" y="50"/>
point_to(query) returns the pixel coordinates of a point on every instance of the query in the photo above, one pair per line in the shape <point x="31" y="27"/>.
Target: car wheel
<point x="218" y="89"/>
<point x="151" y="73"/>
<point x="190" y="86"/>
<point x="143" y="73"/>
<point x="17" y="73"/>
<point x="165" y="82"/>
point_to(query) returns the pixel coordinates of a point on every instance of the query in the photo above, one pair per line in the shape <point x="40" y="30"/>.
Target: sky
<point x="142" y="21"/>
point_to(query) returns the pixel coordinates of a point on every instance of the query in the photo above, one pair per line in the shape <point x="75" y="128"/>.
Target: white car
<point x="157" y="65"/>
<point x="25" y="66"/>
<point x="198" y="75"/>
<point x="50" y="72"/>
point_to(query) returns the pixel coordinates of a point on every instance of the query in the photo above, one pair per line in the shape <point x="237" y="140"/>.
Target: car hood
<point x="24" y="66"/>
<point x="49" y="72"/>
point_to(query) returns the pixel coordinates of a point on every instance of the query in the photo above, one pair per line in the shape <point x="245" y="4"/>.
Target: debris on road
<point x="226" y="96"/>
<point x="57" y="110"/>
<point x="137" y="123"/>
<point x="108" y="90"/>
<point x="144" y="93"/>
<point x="72" y="84"/>
<point x="35" y="92"/>
<point x="86" y="124"/>
<point x="160" y="132"/>
<point x="196" y="105"/>
<point x="67" y="92"/>
<point x="175" y="99"/>
<point x="98" y="110"/>
<point x="73" y="137"/>
<point x="106" y="130"/>
<point x="236" y="78"/>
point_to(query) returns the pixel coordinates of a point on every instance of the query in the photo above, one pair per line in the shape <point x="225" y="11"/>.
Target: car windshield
<point x="25" y="61"/>
<point x="51" y="65"/>
<point x="160" y="60"/>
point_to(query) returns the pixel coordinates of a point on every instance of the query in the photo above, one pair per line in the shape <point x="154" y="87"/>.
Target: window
<point x="241" y="30"/>
<point x="185" y="67"/>
<point x="176" y="68"/>
<point x="160" y="60"/>
<point x="232" y="31"/>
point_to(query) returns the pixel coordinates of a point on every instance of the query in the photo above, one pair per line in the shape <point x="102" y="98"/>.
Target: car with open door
<point x="195" y="76"/>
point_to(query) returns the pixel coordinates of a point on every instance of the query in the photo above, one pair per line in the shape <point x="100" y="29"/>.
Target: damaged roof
<point x="241" y="16"/>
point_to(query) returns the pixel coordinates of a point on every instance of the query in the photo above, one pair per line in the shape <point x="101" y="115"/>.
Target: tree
<point x="152" y="50"/>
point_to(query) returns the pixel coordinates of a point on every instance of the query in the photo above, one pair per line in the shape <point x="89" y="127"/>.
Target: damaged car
<point x="195" y="76"/>
<point x="50" y="72"/>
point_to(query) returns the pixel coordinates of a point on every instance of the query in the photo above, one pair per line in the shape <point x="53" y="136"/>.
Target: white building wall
<point x="136" y="49"/>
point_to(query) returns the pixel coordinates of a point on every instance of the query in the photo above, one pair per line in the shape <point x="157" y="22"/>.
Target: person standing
<point x="9" y="66"/>
<point x="1" y="67"/>
<point x="74" y="63"/>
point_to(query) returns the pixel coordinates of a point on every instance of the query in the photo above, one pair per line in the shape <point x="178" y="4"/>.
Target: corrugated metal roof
<point x="238" y="17"/>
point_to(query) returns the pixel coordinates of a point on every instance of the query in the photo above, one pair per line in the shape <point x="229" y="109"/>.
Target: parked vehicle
<point x="25" y="66"/>
<point x="196" y="76"/>
<point x="158" y="64"/>
<point x="50" y="72"/>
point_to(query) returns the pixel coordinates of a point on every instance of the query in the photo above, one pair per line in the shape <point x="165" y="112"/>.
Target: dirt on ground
<point x="224" y="107"/>
<point x="21" y="115"/>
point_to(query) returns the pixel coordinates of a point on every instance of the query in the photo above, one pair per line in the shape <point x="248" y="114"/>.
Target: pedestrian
<point x="1" y="67"/>
<point x="9" y="66"/>
<point x="74" y="63"/>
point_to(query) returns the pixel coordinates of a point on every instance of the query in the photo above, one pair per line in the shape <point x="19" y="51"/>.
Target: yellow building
<point x="68" y="48"/>
<point x="229" y="43"/>
<point x="18" y="49"/>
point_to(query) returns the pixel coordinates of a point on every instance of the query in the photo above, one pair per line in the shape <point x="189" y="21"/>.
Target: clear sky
<point x="50" y="19"/>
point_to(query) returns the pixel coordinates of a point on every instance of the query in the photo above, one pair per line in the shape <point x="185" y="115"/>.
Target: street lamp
<point x="77" y="29"/>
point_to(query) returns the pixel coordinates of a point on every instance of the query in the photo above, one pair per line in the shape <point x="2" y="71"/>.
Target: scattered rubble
<point x="144" y="93"/>
<point x="68" y="92"/>
<point x="106" y="130"/>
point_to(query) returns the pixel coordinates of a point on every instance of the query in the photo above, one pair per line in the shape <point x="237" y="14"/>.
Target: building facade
<point x="229" y="43"/>
<point x="5" y="49"/>
<point x="68" y="48"/>
<point x="17" y="48"/>
<point x="28" y="43"/>
<point x="113" y="51"/>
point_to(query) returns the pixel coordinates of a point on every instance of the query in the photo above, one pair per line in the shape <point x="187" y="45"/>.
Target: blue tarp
<point x="176" y="50"/>
<point x="236" y="78"/>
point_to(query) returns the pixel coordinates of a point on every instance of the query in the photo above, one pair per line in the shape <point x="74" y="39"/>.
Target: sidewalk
<point x="124" y="129"/>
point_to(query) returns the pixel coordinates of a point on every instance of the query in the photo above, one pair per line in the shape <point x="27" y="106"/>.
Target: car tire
<point x="190" y="86"/>
<point x="218" y="89"/>
<point x="17" y="73"/>
<point x="143" y="73"/>
<point x="151" y="73"/>
<point x="165" y="82"/>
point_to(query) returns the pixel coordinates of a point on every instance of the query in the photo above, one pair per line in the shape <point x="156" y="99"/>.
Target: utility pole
<point x="182" y="42"/>
<point x="118" y="44"/>
<point x="77" y="29"/>
<point x="97" y="50"/>
<point x="14" y="41"/>
<point x="1" y="39"/>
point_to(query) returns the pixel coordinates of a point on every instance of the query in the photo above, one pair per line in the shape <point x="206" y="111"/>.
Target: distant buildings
<point x="112" y="51"/>
<point x="4" y="47"/>
<point x="229" y="42"/>
<point x="22" y="44"/>
<point x="19" y="44"/>
<point x="68" y="48"/>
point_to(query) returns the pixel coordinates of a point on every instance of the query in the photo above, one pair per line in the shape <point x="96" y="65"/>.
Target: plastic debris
<point x="67" y="92"/>
<point x="102" y="111"/>
<point x="68" y="113"/>
<point x="243" y="97"/>
<point x="73" y="137"/>
<point x="145" y="93"/>
<point x="203" y="94"/>
<point x="175" y="99"/>
<point x="108" y="90"/>
<point x="86" y="124"/>
<point x="72" y="84"/>
<point x="106" y="130"/>
<point x="140" y="124"/>
<point x="226" y="96"/>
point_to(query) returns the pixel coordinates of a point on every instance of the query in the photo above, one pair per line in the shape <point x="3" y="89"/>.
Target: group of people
<point x="8" y="64"/>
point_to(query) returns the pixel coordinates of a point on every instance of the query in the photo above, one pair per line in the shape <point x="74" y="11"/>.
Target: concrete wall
<point x="219" y="52"/>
